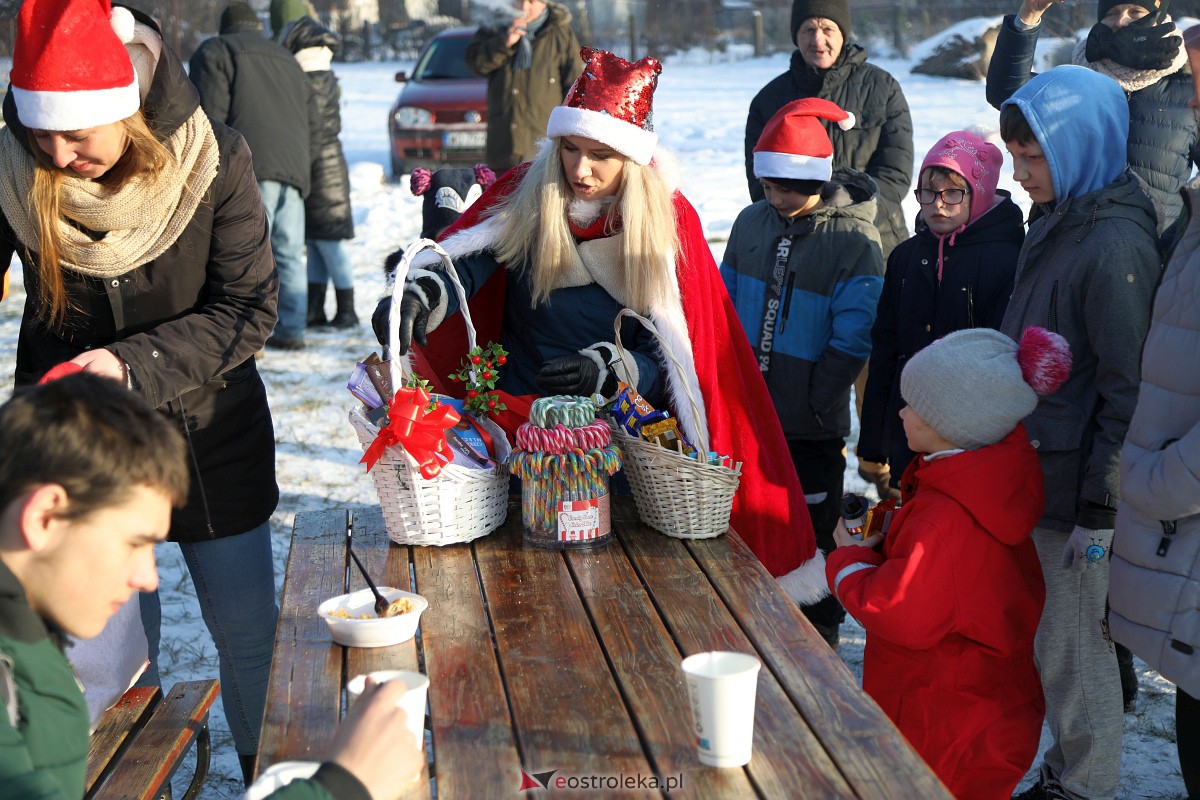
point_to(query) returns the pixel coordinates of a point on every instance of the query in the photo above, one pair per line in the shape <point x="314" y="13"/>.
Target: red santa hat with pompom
<point x="612" y="102"/>
<point x="794" y="145"/>
<point x="70" y="69"/>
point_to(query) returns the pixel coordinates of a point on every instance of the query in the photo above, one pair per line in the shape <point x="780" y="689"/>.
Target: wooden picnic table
<point x="568" y="663"/>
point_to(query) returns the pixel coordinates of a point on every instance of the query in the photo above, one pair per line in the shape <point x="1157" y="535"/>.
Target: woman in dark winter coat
<point x="1137" y="45"/>
<point x="328" y="221"/>
<point x="956" y="272"/>
<point x="146" y="258"/>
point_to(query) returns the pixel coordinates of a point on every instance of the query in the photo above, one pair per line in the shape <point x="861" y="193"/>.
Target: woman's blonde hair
<point x="535" y="235"/>
<point x="144" y="156"/>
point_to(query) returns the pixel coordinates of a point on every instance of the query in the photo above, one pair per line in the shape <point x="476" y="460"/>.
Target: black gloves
<point x="574" y="374"/>
<point x="1143" y="44"/>
<point x="419" y="296"/>
<point x="414" y="316"/>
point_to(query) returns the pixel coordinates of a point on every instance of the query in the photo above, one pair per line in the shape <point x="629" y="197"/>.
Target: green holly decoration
<point x="479" y="372"/>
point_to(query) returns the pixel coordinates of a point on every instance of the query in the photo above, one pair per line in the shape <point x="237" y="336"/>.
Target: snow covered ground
<point x="700" y="112"/>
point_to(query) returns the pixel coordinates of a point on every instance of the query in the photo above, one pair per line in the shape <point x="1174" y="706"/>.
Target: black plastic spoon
<point x="381" y="603"/>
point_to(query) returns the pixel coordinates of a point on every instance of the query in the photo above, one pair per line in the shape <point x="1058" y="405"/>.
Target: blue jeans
<point x="328" y="260"/>
<point x="235" y="587"/>
<point x="285" y="218"/>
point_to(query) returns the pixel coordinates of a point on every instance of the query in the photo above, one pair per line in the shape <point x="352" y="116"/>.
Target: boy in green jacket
<point x="88" y="476"/>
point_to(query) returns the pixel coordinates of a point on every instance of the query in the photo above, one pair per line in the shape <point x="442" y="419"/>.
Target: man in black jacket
<point x="255" y="86"/>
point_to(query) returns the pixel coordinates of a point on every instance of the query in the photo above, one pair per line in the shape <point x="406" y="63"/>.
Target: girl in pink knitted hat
<point x="956" y="272"/>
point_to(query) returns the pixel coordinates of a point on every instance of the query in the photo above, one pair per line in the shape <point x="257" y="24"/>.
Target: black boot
<point x="247" y="765"/>
<point x="345" y="317"/>
<point x="316" y="305"/>
<point x="1129" y="680"/>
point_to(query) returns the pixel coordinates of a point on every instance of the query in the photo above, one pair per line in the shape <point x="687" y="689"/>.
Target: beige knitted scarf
<point x="1131" y="79"/>
<point x="138" y="222"/>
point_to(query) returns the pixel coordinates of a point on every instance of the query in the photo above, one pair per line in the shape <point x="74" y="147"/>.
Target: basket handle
<point x="701" y="427"/>
<point x="397" y="364"/>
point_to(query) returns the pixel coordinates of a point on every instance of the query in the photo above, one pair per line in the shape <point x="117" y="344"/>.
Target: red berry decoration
<point x="476" y="359"/>
<point x="487" y="375"/>
<point x="502" y="360"/>
<point x="472" y="394"/>
<point x="491" y="403"/>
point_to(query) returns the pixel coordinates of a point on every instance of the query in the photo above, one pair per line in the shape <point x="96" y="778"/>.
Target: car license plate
<point x="464" y="140"/>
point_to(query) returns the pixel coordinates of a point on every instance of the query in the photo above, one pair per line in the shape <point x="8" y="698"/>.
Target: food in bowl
<point x="352" y="621"/>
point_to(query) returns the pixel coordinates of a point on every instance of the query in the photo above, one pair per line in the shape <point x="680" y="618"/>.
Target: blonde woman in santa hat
<point x="557" y="247"/>
<point x="804" y="268"/>
<point x="956" y="272"/>
<point x="1137" y="45"/>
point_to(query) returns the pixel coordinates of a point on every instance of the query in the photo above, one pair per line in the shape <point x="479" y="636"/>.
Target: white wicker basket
<point x="674" y="494"/>
<point x="458" y="505"/>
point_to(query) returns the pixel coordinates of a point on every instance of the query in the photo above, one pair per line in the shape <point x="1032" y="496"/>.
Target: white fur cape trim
<point x="806" y="584"/>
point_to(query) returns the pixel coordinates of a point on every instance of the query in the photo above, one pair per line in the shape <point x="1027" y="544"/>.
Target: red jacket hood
<point x="1008" y="510"/>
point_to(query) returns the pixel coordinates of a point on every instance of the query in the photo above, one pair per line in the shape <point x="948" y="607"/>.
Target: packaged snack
<point x="631" y="410"/>
<point x="361" y="386"/>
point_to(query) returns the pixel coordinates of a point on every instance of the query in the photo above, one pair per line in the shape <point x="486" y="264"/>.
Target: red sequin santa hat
<point x="794" y="145"/>
<point x="611" y="102"/>
<point x="70" y="68"/>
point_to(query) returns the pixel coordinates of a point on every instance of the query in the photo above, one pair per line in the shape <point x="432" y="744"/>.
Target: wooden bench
<point x="141" y="741"/>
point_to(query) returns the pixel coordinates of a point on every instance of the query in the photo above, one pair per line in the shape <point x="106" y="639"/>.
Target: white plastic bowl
<point x="279" y="775"/>
<point x="376" y="631"/>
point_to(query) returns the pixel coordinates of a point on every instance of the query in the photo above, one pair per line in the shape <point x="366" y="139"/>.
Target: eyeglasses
<point x="950" y="197"/>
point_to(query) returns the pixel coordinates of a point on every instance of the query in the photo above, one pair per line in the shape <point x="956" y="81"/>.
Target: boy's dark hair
<point x="1014" y="127"/>
<point x="806" y="187"/>
<point x="92" y="436"/>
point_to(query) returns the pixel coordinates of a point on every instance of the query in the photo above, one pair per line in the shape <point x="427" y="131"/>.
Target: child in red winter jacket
<point x="951" y="601"/>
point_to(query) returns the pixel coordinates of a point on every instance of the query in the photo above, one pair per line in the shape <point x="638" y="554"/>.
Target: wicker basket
<point x="461" y="503"/>
<point x="674" y="494"/>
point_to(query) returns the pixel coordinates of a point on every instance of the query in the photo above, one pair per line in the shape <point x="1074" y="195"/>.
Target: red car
<point x="440" y="116"/>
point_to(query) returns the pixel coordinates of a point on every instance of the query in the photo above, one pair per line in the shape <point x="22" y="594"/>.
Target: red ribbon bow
<point x="420" y="432"/>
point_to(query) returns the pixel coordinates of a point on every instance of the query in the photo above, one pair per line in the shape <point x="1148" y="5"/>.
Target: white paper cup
<point x="412" y="701"/>
<point x="721" y="687"/>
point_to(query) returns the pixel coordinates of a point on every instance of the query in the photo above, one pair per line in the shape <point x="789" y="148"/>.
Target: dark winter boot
<point x="1129" y="678"/>
<point x="247" y="765"/>
<point x="316" y="305"/>
<point x="345" y="316"/>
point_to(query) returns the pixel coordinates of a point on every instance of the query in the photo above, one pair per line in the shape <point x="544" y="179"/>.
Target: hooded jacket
<point x="819" y="338"/>
<point x="1163" y="141"/>
<point x="327" y="212"/>
<point x="880" y="143"/>
<point x="1087" y="271"/>
<point x="951" y="605"/>
<point x="187" y="323"/>
<point x="914" y="310"/>
<point x="520" y="101"/>
<point x="1154" y="578"/>
<point x="255" y="86"/>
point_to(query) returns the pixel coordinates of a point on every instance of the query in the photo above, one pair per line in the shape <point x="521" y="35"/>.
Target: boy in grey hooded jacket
<point x="1087" y="271"/>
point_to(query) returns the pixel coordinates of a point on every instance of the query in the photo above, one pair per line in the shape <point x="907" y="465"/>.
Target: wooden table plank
<point x="786" y="754"/>
<point x="388" y="566"/>
<point x="568" y="711"/>
<point x="646" y="662"/>
<point x="119" y="725"/>
<point x="872" y="754"/>
<point x="474" y="746"/>
<point x="304" y="692"/>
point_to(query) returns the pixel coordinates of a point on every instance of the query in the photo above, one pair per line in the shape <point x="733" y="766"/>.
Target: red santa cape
<point x="703" y="329"/>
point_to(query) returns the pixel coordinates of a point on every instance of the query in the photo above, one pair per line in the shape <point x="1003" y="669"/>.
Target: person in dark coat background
<point x="828" y="65"/>
<point x="530" y="64"/>
<point x="328" y="219"/>
<point x="956" y="272"/>
<point x="163" y="279"/>
<point x="256" y="87"/>
<point x="1137" y="45"/>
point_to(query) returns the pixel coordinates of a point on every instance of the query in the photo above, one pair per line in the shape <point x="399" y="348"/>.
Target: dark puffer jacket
<point x="256" y="87"/>
<point x="1164" y="141"/>
<point x="914" y="310"/>
<point x="880" y="143"/>
<point x="520" y="101"/>
<point x="187" y="323"/>
<point x="327" y="213"/>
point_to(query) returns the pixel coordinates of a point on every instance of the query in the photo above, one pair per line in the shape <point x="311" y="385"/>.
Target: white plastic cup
<point x="721" y="687"/>
<point x="412" y="701"/>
